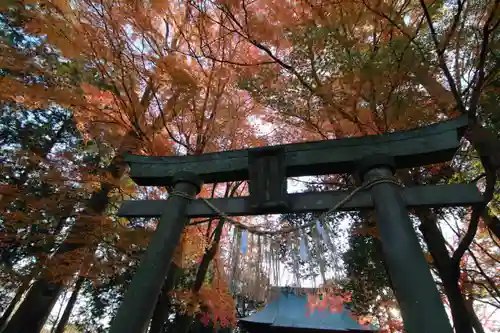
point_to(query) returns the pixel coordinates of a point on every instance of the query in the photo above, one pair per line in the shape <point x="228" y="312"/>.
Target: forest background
<point x="84" y="81"/>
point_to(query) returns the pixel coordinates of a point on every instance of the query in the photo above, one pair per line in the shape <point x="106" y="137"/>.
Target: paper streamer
<point x="319" y="250"/>
<point x="274" y="264"/>
<point x="295" y="259"/>
<point x="304" y="252"/>
<point x="325" y="236"/>
<point x="324" y="232"/>
<point x="233" y="248"/>
<point x="258" y="270"/>
<point x="235" y="261"/>
<point x="244" y="241"/>
<point x="267" y="266"/>
<point x="321" y="231"/>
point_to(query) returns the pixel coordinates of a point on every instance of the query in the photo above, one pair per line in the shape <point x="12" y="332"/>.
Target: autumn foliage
<point x="85" y="81"/>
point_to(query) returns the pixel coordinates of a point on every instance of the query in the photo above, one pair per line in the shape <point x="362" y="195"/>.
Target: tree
<point x="325" y="76"/>
<point x="188" y="78"/>
<point x="112" y="72"/>
<point x="41" y="184"/>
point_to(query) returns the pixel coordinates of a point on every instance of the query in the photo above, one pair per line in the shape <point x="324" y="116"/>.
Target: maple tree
<point x="355" y="68"/>
<point x="42" y="186"/>
<point x="192" y="108"/>
<point x="165" y="78"/>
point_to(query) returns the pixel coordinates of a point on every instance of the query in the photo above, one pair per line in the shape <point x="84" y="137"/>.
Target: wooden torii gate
<point x="266" y="169"/>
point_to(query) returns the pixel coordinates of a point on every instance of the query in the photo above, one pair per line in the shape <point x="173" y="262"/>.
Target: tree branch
<point x="477" y="212"/>
<point x="483" y="273"/>
<point x="442" y="61"/>
<point x="476" y="93"/>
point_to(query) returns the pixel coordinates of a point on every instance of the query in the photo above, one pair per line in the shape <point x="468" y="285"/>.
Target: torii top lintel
<point x="421" y="146"/>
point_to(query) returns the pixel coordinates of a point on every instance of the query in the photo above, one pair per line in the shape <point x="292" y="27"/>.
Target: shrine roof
<point x="290" y="310"/>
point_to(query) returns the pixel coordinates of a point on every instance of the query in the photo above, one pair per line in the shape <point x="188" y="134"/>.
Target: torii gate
<point x="266" y="169"/>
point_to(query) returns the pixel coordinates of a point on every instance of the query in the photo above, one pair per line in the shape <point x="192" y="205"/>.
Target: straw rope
<point x="258" y="231"/>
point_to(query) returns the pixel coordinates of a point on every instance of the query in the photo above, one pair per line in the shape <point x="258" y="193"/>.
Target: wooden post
<point x="138" y="305"/>
<point x="420" y="303"/>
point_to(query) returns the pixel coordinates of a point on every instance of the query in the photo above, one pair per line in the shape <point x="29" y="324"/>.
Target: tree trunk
<point x="69" y="307"/>
<point x="183" y="323"/>
<point x="492" y="223"/>
<point x="163" y="305"/>
<point x="19" y="294"/>
<point x="36" y="307"/>
<point x="378" y="249"/>
<point x="476" y="323"/>
<point x="448" y="274"/>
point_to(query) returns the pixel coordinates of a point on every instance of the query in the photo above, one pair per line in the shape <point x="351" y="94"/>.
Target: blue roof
<point x="290" y="310"/>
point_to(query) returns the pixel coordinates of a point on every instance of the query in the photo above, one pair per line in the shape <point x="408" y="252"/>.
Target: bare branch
<point x="442" y="61"/>
<point x="479" y="82"/>
<point x="483" y="273"/>
<point x="477" y="211"/>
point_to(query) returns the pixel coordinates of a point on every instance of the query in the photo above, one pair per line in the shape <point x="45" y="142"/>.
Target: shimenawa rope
<point x="255" y="230"/>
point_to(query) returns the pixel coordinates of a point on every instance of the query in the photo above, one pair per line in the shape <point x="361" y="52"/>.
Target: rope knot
<point x="180" y="194"/>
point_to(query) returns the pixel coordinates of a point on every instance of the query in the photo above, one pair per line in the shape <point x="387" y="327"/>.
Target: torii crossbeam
<point x="267" y="169"/>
